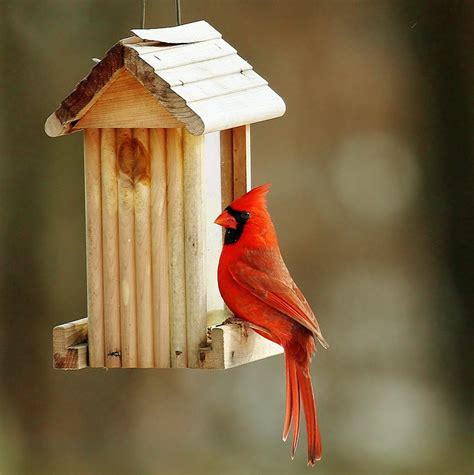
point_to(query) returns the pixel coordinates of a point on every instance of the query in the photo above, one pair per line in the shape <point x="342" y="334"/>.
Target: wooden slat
<point x="229" y="346"/>
<point x="159" y="249"/>
<point x="95" y="306"/>
<point x="195" y="245"/>
<point x="142" y="201"/>
<point x="188" y="33"/>
<point x="126" y="103"/>
<point x="241" y="159"/>
<point x="128" y="321"/>
<point x="70" y="345"/>
<point x="233" y="110"/>
<point x="227" y="168"/>
<point x="200" y="71"/>
<point x="198" y="91"/>
<point x="168" y="58"/>
<point x="174" y="156"/>
<point x="110" y="248"/>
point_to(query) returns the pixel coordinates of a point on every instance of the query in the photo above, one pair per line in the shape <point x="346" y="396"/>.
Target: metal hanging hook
<point x="143" y="13"/>
<point x="178" y="12"/>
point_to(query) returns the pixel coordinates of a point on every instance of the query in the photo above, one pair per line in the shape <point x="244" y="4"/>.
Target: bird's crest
<point x="255" y="198"/>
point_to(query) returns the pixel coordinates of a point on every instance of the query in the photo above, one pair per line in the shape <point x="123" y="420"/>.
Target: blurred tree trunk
<point x="442" y="38"/>
<point x="22" y="294"/>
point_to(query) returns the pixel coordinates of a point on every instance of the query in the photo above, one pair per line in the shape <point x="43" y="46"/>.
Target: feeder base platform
<point x="228" y="346"/>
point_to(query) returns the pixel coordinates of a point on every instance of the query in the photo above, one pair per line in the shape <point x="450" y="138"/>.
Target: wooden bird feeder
<point x="166" y="117"/>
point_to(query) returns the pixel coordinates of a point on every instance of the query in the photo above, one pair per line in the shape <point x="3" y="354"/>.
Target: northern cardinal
<point x="258" y="289"/>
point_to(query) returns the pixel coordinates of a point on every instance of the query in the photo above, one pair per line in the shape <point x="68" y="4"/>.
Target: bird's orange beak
<point x="226" y="220"/>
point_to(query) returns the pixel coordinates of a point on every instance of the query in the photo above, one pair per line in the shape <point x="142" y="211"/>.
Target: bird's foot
<point x="244" y="326"/>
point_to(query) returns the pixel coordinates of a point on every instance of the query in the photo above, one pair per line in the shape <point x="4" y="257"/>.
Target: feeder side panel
<point x="213" y="207"/>
<point x="128" y="319"/>
<point x="95" y="309"/>
<point x="159" y="249"/>
<point x="108" y="151"/>
<point x="195" y="245"/>
<point x="174" y="158"/>
<point x="142" y="203"/>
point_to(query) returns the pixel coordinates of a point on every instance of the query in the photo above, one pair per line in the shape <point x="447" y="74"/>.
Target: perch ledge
<point x="228" y="346"/>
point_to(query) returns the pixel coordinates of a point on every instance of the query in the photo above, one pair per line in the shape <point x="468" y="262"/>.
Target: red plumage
<point x="257" y="287"/>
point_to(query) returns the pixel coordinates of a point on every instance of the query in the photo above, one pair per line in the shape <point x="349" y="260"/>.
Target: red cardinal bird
<point x="257" y="287"/>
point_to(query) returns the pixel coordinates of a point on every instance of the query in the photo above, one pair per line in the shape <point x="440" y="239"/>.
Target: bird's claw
<point x="244" y="326"/>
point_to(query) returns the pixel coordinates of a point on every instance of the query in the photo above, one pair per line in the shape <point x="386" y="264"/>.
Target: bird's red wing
<point x="264" y="274"/>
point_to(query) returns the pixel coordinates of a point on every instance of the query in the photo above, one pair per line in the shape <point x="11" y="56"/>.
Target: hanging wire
<point x="178" y="12"/>
<point x="143" y="13"/>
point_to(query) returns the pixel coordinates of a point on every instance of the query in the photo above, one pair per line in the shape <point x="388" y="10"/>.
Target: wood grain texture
<point x="142" y="201"/>
<point x="95" y="304"/>
<point x="177" y="284"/>
<point x="110" y="248"/>
<point x="219" y="86"/>
<point x="126" y="103"/>
<point x="70" y="345"/>
<point x="188" y="73"/>
<point x="126" y="215"/>
<point x="241" y="160"/>
<point x="195" y="245"/>
<point x="227" y="168"/>
<point x="229" y="346"/>
<point x="159" y="249"/>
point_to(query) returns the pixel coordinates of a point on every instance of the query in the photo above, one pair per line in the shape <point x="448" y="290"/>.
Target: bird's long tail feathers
<point x="298" y="385"/>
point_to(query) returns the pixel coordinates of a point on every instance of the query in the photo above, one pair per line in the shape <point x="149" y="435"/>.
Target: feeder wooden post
<point x="177" y="282"/>
<point x="241" y="159"/>
<point x="227" y="168"/>
<point x="159" y="249"/>
<point x="143" y="248"/>
<point x="95" y="301"/>
<point x="108" y="151"/>
<point x="195" y="245"/>
<point x="128" y="320"/>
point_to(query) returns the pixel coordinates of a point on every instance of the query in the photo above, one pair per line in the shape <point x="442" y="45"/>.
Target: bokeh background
<point x="372" y="172"/>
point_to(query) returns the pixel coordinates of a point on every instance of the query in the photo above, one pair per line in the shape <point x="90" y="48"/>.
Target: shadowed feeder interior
<point x="165" y="117"/>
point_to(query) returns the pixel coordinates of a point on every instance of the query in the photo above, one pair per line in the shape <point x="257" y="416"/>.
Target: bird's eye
<point x="245" y="215"/>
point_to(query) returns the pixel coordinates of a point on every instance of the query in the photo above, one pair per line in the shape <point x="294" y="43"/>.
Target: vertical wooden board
<point x="108" y="151"/>
<point x="227" y="168"/>
<point x="213" y="207"/>
<point x="95" y="306"/>
<point x="159" y="249"/>
<point x="195" y="245"/>
<point x="128" y="321"/>
<point x="174" y="160"/>
<point x="241" y="159"/>
<point x="141" y="154"/>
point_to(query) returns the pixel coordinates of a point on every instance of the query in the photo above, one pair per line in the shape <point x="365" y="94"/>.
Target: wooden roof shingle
<point x="189" y="69"/>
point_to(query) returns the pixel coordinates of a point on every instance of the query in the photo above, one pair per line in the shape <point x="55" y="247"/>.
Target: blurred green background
<point x="372" y="173"/>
